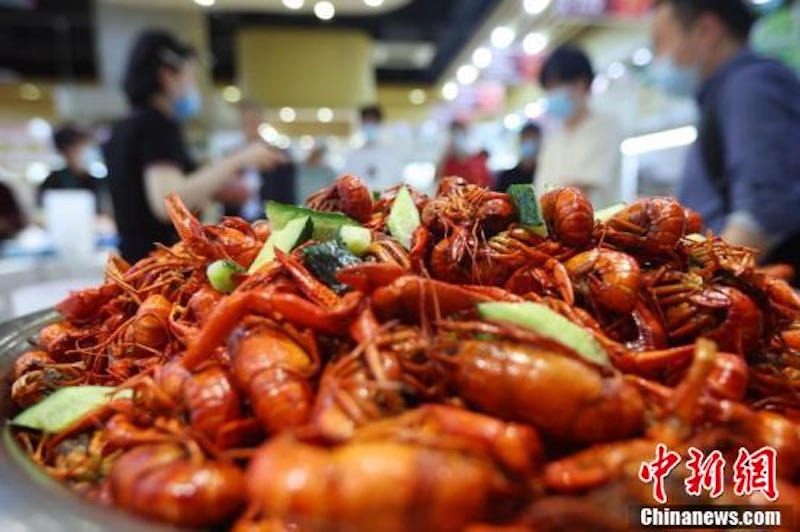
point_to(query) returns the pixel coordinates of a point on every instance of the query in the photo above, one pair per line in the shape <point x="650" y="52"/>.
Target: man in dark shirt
<point x="77" y="148"/>
<point x="530" y="139"/>
<point x="743" y="174"/>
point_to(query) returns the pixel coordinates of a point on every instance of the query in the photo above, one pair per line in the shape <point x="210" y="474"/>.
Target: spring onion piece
<point x="220" y="274"/>
<point x="67" y="405"/>
<point x="548" y="323"/>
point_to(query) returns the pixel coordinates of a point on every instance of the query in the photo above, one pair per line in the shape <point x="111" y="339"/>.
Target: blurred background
<point x="310" y="66"/>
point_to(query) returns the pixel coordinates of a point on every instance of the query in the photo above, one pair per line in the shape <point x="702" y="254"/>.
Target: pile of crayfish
<point x="392" y="405"/>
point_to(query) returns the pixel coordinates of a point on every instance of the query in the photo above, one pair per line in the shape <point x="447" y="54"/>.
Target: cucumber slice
<point x="66" y="406"/>
<point x="356" y="239"/>
<point x="549" y="324"/>
<point x="326" y="225"/>
<point x="220" y="275"/>
<point x="606" y="214"/>
<point x="530" y="216"/>
<point x="404" y="218"/>
<point x="292" y="235"/>
<point x="327" y="258"/>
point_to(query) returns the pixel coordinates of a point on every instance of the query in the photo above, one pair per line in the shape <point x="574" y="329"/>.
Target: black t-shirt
<point x="145" y="137"/>
<point x="516" y="176"/>
<point x="66" y="179"/>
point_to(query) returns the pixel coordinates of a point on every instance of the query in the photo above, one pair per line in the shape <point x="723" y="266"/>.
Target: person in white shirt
<point x="583" y="148"/>
<point x="378" y="164"/>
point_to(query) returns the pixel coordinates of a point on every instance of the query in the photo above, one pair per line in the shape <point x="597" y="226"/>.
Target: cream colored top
<point x="587" y="154"/>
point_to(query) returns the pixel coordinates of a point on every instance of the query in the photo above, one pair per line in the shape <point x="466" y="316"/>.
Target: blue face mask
<point x="371" y="131"/>
<point x="674" y="79"/>
<point x="528" y="149"/>
<point x="560" y="104"/>
<point x="188" y="106"/>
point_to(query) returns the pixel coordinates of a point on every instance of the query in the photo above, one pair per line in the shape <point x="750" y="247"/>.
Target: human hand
<point x="260" y="156"/>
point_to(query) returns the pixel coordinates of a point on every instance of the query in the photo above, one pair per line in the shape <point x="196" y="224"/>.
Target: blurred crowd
<point x="742" y="174"/>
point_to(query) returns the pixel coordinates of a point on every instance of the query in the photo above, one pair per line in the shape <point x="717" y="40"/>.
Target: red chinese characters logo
<point x="756" y="471"/>
<point x="658" y="470"/>
<point x="752" y="472"/>
<point x="706" y="473"/>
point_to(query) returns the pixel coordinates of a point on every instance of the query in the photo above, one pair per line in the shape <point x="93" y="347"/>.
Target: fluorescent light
<point x="535" y="43"/>
<point x="325" y="115"/>
<point x="294" y="4"/>
<point x="535" y="7"/>
<point x="662" y="140"/>
<point x="512" y="121"/>
<point x="642" y="57"/>
<point x="374" y="3"/>
<point x="482" y="57"/>
<point x="231" y="94"/>
<point x="417" y="96"/>
<point x="287" y="114"/>
<point x="467" y="74"/>
<point x="450" y="91"/>
<point x="324" y="10"/>
<point x="502" y="37"/>
<point x="204" y="3"/>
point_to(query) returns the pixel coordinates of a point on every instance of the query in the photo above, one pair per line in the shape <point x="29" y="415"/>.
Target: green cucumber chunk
<point x="530" y="216"/>
<point x="220" y="274"/>
<point x="294" y="233"/>
<point x="356" y="239"/>
<point x="548" y="323"/>
<point x="67" y="405"/>
<point x="404" y="218"/>
<point x="326" y="259"/>
<point x="604" y="215"/>
<point x="326" y="225"/>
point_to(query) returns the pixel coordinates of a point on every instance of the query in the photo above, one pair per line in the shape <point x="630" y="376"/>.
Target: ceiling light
<point x="662" y="140"/>
<point x="325" y="115"/>
<point x="535" y="7"/>
<point x="502" y="37"/>
<point x="512" y="121"/>
<point x="450" y="91"/>
<point x="482" y="57"/>
<point x="324" y="10"/>
<point x="268" y="133"/>
<point x="615" y="70"/>
<point x="204" y="3"/>
<point x="374" y="3"/>
<point x="287" y="114"/>
<point x="417" y="96"/>
<point x="535" y="109"/>
<point x="642" y="57"/>
<point x="535" y="43"/>
<point x="293" y="4"/>
<point x="231" y="94"/>
<point x="467" y="74"/>
<point x="30" y="92"/>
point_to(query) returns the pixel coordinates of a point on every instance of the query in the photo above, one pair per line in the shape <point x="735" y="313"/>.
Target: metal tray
<point x="30" y="500"/>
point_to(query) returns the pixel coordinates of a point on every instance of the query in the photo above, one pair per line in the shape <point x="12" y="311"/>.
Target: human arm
<point x="197" y="188"/>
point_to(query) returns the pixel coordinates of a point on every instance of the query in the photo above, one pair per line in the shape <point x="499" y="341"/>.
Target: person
<point x="377" y="163"/>
<point x="530" y="139"/>
<point x="743" y="173"/>
<point x="79" y="151"/>
<point x="276" y="183"/>
<point x="315" y="173"/>
<point x="583" y="150"/>
<point x="458" y="161"/>
<point x="12" y="219"/>
<point x="147" y="156"/>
